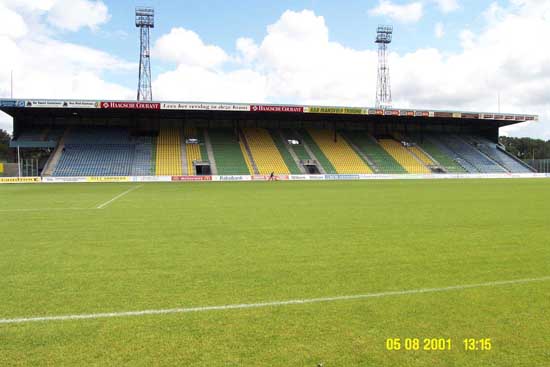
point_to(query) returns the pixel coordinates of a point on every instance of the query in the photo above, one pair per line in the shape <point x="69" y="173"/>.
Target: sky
<point x="445" y="54"/>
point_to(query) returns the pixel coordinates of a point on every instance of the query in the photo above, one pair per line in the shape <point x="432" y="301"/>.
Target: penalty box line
<point x="268" y="304"/>
<point x="107" y="203"/>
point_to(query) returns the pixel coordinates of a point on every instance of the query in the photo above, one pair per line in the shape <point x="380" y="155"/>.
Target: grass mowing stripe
<point x="269" y="304"/>
<point x="105" y="204"/>
<point x="41" y="209"/>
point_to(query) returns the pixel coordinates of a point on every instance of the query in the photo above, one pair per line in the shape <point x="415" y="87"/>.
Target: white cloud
<point x="45" y="67"/>
<point x="185" y="47"/>
<point x="439" y="30"/>
<point x="296" y="62"/>
<point x="406" y="13"/>
<point x="75" y="14"/>
<point x="12" y="24"/>
<point x="447" y="6"/>
<point x="248" y="49"/>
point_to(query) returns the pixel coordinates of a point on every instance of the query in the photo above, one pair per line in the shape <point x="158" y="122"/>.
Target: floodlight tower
<point x="145" y="20"/>
<point x="383" y="88"/>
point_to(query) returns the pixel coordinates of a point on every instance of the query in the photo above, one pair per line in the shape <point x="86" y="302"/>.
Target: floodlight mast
<point x="145" y="20"/>
<point x="383" y="88"/>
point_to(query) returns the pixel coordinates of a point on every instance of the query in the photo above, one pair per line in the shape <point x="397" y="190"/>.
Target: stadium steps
<point x="52" y="162"/>
<point x="290" y="158"/>
<point x="210" y="152"/>
<point x="153" y="157"/>
<point x="168" y="158"/>
<point x="247" y="153"/>
<point x="439" y="156"/>
<point x="184" y="155"/>
<point x="358" y="151"/>
<point x="425" y="158"/>
<point x="340" y="154"/>
<point x="468" y="167"/>
<point x="405" y="158"/>
<point x="526" y="167"/>
<point x="497" y="154"/>
<point x="143" y="150"/>
<point x="300" y="152"/>
<point x="228" y="152"/>
<point x="264" y="152"/>
<point x="381" y="159"/>
<point x="470" y="156"/>
<point x="192" y="151"/>
<point x="316" y="153"/>
<point x="202" y="146"/>
<point x="496" y="165"/>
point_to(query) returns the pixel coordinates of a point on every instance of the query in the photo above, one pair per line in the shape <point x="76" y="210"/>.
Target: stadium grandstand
<point x="69" y="138"/>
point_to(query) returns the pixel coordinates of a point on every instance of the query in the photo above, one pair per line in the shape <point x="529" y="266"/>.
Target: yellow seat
<point x="169" y="162"/>
<point x="264" y="152"/>
<point x="403" y="156"/>
<point x="343" y="158"/>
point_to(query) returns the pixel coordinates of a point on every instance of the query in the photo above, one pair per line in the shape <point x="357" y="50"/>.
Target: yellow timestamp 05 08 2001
<point x="436" y="344"/>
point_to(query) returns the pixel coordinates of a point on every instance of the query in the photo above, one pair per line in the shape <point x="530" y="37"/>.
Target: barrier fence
<point x="236" y="178"/>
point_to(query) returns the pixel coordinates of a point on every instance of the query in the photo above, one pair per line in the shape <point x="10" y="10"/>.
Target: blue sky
<point x="222" y="22"/>
<point x="446" y="54"/>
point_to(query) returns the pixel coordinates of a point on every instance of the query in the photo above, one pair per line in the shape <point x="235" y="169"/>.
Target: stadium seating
<point x="265" y="153"/>
<point x="471" y="155"/>
<point x="143" y="158"/>
<point x="299" y="149"/>
<point x="228" y="153"/>
<point x="106" y="151"/>
<point x="498" y="155"/>
<point x="168" y="157"/>
<point x="193" y="151"/>
<point x="403" y="156"/>
<point x="342" y="157"/>
<point x="284" y="151"/>
<point x="321" y="157"/>
<point x="368" y="146"/>
<point x="422" y="156"/>
<point x="96" y="152"/>
<point x="445" y="160"/>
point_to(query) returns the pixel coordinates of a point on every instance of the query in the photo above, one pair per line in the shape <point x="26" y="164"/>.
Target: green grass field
<point x="164" y="246"/>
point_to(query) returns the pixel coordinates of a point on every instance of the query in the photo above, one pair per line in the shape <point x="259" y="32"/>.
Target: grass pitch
<point x="166" y="246"/>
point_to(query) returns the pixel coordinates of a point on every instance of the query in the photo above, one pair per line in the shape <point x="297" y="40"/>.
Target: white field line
<point x="101" y="206"/>
<point x="267" y="304"/>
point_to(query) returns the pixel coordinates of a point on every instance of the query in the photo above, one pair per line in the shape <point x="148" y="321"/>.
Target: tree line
<point x="527" y="148"/>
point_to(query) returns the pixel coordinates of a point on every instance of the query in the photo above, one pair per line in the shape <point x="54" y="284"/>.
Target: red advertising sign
<point x="260" y="108"/>
<point x="191" y="178"/>
<point x="131" y="105"/>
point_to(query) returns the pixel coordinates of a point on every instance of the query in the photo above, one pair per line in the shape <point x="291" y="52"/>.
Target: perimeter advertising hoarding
<point x="131" y="105"/>
<point x="264" y="108"/>
<point x="422" y="113"/>
<point x="107" y="179"/>
<point x="19" y="179"/>
<point x="337" y="110"/>
<point x="204" y="106"/>
<point x="12" y="103"/>
<point x="191" y="178"/>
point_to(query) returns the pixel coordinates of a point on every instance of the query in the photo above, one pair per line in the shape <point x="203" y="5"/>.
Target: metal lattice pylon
<point x="145" y="20"/>
<point x="383" y="86"/>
